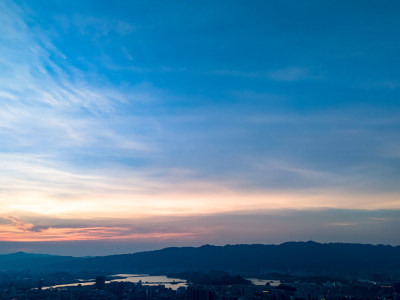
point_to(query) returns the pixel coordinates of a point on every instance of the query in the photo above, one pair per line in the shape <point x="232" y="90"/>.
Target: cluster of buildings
<point x="297" y="291"/>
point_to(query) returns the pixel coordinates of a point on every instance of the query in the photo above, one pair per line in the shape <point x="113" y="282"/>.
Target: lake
<point x="173" y="283"/>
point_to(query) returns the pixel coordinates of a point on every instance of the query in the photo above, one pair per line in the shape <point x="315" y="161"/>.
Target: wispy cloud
<point x="289" y="74"/>
<point x="35" y="72"/>
<point x="46" y="104"/>
<point x="389" y="84"/>
<point x="20" y="231"/>
<point x="41" y="185"/>
<point x="344" y="224"/>
<point x="94" y="27"/>
<point x="268" y="226"/>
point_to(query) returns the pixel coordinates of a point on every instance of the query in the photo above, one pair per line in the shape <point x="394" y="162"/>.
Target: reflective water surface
<point x="257" y="281"/>
<point x="173" y="283"/>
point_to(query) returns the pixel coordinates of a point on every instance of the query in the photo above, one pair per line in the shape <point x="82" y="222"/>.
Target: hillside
<point x="291" y="256"/>
<point x="29" y="261"/>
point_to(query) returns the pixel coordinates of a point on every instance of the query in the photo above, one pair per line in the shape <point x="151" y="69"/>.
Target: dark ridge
<point x="290" y="256"/>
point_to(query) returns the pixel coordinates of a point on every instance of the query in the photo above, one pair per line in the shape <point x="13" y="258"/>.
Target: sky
<point x="137" y="125"/>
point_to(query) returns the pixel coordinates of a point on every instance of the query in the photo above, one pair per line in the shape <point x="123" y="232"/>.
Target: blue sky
<point x="128" y="110"/>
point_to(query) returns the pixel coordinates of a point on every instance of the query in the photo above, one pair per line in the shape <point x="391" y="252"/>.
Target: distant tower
<point x="40" y="285"/>
<point x="100" y="282"/>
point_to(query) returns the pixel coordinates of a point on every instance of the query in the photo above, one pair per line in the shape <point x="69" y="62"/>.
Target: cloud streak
<point x="268" y="226"/>
<point x="290" y="74"/>
<point x="19" y="231"/>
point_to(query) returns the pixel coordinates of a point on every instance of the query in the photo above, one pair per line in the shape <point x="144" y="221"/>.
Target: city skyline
<point x="137" y="125"/>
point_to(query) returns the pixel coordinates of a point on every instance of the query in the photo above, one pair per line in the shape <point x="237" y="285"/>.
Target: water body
<point x="257" y="281"/>
<point x="173" y="283"/>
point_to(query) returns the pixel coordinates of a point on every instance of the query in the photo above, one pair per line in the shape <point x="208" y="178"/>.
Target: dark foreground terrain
<point x="200" y="286"/>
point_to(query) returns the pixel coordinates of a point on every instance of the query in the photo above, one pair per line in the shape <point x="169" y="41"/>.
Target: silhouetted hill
<point x="292" y="256"/>
<point x="29" y="261"/>
<point x="309" y="256"/>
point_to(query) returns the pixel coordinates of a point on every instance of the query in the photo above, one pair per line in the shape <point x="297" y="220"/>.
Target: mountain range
<point x="291" y="256"/>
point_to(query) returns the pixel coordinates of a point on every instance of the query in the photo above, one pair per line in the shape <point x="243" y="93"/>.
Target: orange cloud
<point x="25" y="232"/>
